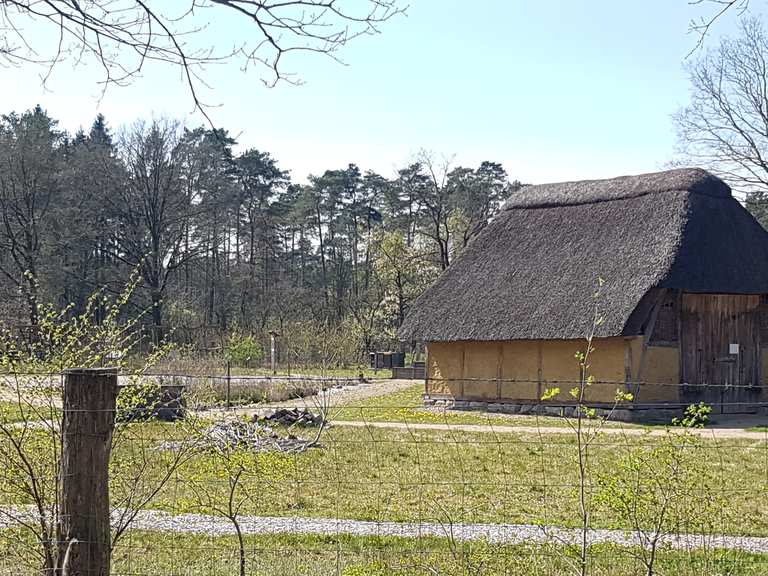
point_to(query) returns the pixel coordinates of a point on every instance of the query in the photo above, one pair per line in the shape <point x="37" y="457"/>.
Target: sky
<point x="553" y="89"/>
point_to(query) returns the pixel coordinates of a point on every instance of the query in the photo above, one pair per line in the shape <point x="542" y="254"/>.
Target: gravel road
<point x="497" y="533"/>
<point x="201" y="524"/>
<point x="346" y="395"/>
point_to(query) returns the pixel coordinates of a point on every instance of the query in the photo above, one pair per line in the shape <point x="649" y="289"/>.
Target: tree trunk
<point x="33" y="304"/>
<point x="157" y="316"/>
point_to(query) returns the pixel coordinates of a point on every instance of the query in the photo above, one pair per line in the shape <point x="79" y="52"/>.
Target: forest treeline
<point x="224" y="239"/>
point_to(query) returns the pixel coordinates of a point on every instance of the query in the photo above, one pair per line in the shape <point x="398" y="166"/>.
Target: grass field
<point x="336" y="372"/>
<point x="376" y="556"/>
<point x="411" y="475"/>
<point x="407" y="406"/>
<point x="420" y="475"/>
<point x="425" y="475"/>
<point x="162" y="554"/>
<point x="12" y="412"/>
<point x="217" y="366"/>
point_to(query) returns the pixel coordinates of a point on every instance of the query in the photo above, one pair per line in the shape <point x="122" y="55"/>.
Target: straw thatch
<point x="533" y="272"/>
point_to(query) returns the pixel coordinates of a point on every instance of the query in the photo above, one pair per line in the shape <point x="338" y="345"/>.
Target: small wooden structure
<point x="416" y="371"/>
<point x="382" y="360"/>
<point x="683" y="304"/>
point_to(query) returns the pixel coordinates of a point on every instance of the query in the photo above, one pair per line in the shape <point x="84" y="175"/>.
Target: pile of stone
<point x="290" y="417"/>
<point x="253" y="436"/>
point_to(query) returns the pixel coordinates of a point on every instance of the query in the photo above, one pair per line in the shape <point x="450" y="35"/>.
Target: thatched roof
<point x="533" y="272"/>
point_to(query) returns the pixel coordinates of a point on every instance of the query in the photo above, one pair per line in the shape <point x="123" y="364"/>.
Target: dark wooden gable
<point x="720" y="349"/>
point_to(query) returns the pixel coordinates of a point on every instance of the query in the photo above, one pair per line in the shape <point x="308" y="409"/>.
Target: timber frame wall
<point x="519" y="371"/>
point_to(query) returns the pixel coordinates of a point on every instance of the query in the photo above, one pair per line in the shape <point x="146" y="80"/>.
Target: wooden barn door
<point x="720" y="348"/>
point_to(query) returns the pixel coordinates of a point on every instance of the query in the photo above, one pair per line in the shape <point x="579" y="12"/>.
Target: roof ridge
<point x="692" y="180"/>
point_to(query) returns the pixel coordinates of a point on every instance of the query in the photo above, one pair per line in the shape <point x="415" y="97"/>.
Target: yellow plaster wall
<point x="520" y="370"/>
<point x="482" y="362"/>
<point x="636" y="351"/>
<point x="661" y="365"/>
<point x="560" y="368"/>
<point x="445" y="362"/>
<point x="523" y="369"/>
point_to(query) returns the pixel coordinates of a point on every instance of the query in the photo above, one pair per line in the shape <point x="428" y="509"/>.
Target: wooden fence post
<point x="273" y="351"/>
<point x="90" y="397"/>
<point x="229" y="385"/>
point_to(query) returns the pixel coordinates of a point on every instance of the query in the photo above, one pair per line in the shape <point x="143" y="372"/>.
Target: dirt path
<point x="337" y="397"/>
<point x="707" y="433"/>
<point x="350" y="394"/>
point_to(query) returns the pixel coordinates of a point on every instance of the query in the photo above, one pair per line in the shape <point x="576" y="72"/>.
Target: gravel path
<point x="707" y="433"/>
<point x="496" y="533"/>
<point x="350" y="394"/>
<point x="340" y="396"/>
<point x="201" y="524"/>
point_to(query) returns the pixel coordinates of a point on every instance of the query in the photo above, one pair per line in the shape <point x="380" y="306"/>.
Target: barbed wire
<point x="391" y="486"/>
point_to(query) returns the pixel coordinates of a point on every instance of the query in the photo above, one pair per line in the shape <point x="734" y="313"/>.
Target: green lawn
<point x="375" y="556"/>
<point x="418" y="475"/>
<point x="14" y="412"/>
<point x="214" y="366"/>
<point x="413" y="475"/>
<point x="424" y="475"/>
<point x="168" y="554"/>
<point x="407" y="406"/>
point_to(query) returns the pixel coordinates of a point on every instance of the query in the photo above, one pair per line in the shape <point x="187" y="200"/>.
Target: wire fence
<point x="244" y="475"/>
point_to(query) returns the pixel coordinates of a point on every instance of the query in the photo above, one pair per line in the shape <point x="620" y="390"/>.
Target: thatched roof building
<point x="532" y="273"/>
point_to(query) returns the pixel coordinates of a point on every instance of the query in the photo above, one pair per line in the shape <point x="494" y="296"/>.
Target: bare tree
<point x="152" y="210"/>
<point x="725" y="126"/>
<point x="435" y="203"/>
<point x="124" y="36"/>
<point x="702" y="26"/>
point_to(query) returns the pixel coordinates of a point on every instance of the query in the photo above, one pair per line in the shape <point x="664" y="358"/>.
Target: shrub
<point x="660" y="489"/>
<point x="695" y="416"/>
<point x="138" y="401"/>
<point x="244" y="351"/>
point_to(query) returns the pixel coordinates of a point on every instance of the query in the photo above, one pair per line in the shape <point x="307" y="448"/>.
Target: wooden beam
<point x="627" y="362"/>
<point x="647" y="334"/>
<point x="499" y="363"/>
<point x="540" y="354"/>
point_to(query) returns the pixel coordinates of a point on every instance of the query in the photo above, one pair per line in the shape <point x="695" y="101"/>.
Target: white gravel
<point x="209" y="525"/>
<point x="496" y="533"/>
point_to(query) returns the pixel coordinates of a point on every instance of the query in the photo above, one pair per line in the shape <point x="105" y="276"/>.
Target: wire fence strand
<point x="357" y="476"/>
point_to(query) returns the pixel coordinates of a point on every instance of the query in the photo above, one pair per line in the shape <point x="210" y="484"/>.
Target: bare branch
<point x="702" y="26"/>
<point x="725" y="126"/>
<point x="123" y="36"/>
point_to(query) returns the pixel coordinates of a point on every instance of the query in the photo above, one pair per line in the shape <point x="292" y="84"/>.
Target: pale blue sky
<point x="553" y="89"/>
